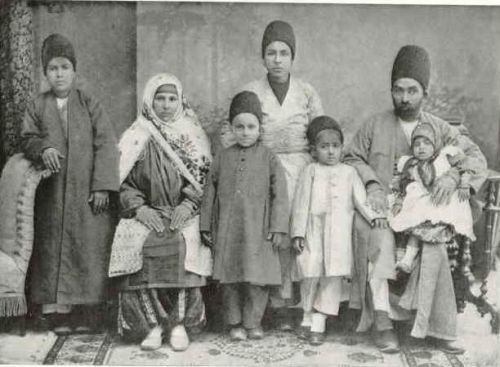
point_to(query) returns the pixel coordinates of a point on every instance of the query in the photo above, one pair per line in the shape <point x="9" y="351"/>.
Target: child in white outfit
<point x="413" y="210"/>
<point x="326" y="196"/>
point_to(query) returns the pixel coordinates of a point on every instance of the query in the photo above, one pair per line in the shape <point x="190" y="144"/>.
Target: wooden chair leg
<point x="481" y="301"/>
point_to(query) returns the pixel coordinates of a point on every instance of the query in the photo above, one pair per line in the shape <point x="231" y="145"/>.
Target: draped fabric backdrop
<point x="16" y="71"/>
<point x="345" y="51"/>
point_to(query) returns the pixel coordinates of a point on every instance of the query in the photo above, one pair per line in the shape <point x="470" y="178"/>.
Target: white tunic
<point x="418" y="208"/>
<point x="323" y="212"/>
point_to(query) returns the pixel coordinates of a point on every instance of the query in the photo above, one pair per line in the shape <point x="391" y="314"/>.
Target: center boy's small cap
<point x="245" y="102"/>
<point x="321" y="123"/>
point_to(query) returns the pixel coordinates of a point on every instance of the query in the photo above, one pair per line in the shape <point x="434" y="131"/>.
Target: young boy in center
<point x="245" y="212"/>
<point x="327" y="194"/>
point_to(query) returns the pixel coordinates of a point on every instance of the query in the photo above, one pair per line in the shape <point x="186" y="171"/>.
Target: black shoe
<point x="387" y="341"/>
<point x="283" y="319"/>
<point x="60" y="324"/>
<point x="448" y="346"/>
<point x="41" y="323"/>
<point x="86" y="320"/>
<point x="316" y="338"/>
<point x="303" y="332"/>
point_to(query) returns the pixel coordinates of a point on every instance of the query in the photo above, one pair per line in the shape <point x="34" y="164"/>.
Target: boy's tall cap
<point x="57" y="45"/>
<point x="412" y="62"/>
<point x="279" y="31"/>
<point x="245" y="102"/>
<point x="424" y="130"/>
<point x="321" y="123"/>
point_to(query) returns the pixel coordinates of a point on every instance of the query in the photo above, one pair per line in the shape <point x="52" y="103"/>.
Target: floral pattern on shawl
<point x="183" y="132"/>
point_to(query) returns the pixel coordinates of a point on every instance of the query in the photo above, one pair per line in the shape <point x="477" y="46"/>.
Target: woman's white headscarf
<point x="183" y="132"/>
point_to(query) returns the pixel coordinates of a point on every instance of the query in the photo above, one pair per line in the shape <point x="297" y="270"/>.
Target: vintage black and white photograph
<point x="249" y="183"/>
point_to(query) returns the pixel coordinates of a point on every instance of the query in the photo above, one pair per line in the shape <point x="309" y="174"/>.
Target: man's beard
<point x="407" y="112"/>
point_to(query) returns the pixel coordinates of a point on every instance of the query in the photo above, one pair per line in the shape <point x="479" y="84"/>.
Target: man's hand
<point x="50" y="158"/>
<point x="380" y="223"/>
<point x="376" y="198"/>
<point x="150" y="218"/>
<point x="206" y="239"/>
<point x="278" y="239"/>
<point x="99" y="201"/>
<point x="298" y="244"/>
<point x="464" y="193"/>
<point x="442" y="190"/>
<point x="180" y="215"/>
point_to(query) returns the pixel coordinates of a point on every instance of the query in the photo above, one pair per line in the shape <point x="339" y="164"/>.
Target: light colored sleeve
<point x="359" y="197"/>
<point x="301" y="203"/>
<point x="314" y="105"/>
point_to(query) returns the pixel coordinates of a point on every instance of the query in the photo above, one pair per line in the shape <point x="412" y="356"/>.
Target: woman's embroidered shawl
<point x="189" y="149"/>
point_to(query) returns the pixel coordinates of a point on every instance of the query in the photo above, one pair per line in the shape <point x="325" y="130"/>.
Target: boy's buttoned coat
<point x="245" y="200"/>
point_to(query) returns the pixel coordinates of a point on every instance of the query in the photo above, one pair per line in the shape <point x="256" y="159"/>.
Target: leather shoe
<point x="303" y="332"/>
<point x="449" y="346"/>
<point x="285" y="325"/>
<point x="255" y="333"/>
<point x="238" y="334"/>
<point x="387" y="341"/>
<point x="60" y="324"/>
<point x="316" y="338"/>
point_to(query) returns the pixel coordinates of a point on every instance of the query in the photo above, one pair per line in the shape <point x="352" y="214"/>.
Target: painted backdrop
<point x="345" y="51"/>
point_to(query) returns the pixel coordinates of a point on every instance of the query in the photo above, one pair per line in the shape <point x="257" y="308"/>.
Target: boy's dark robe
<point x="245" y="199"/>
<point x="72" y="245"/>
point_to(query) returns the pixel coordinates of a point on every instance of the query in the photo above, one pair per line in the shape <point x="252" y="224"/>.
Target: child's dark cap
<point x="245" y="102"/>
<point x="321" y="123"/>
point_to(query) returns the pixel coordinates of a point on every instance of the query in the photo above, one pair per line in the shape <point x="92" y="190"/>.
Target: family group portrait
<point x="249" y="184"/>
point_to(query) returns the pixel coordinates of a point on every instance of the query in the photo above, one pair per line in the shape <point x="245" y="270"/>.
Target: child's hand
<point x="442" y="190"/>
<point x="206" y="239"/>
<point x="278" y="240"/>
<point x="150" y="218"/>
<point x="50" y="158"/>
<point x="380" y="223"/>
<point x="376" y="198"/>
<point x="298" y="244"/>
<point x="396" y="208"/>
<point x="464" y="193"/>
<point x="99" y="200"/>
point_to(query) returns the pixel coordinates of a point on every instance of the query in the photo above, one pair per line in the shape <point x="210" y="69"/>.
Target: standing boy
<point x="244" y="211"/>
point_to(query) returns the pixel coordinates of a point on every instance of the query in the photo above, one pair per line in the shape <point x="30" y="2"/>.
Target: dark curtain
<point x="16" y="71"/>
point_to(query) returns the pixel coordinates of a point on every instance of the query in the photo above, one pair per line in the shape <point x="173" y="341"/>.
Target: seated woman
<point x="164" y="162"/>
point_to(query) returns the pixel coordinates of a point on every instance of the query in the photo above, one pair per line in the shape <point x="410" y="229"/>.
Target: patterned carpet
<point x="276" y="349"/>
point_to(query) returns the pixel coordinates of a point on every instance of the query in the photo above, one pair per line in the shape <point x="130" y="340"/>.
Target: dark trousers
<point x="244" y="303"/>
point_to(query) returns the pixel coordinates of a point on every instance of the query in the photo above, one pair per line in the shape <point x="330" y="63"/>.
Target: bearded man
<point x="374" y="152"/>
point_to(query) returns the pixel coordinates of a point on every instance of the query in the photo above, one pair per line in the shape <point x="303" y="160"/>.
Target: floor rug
<point x="276" y="349"/>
